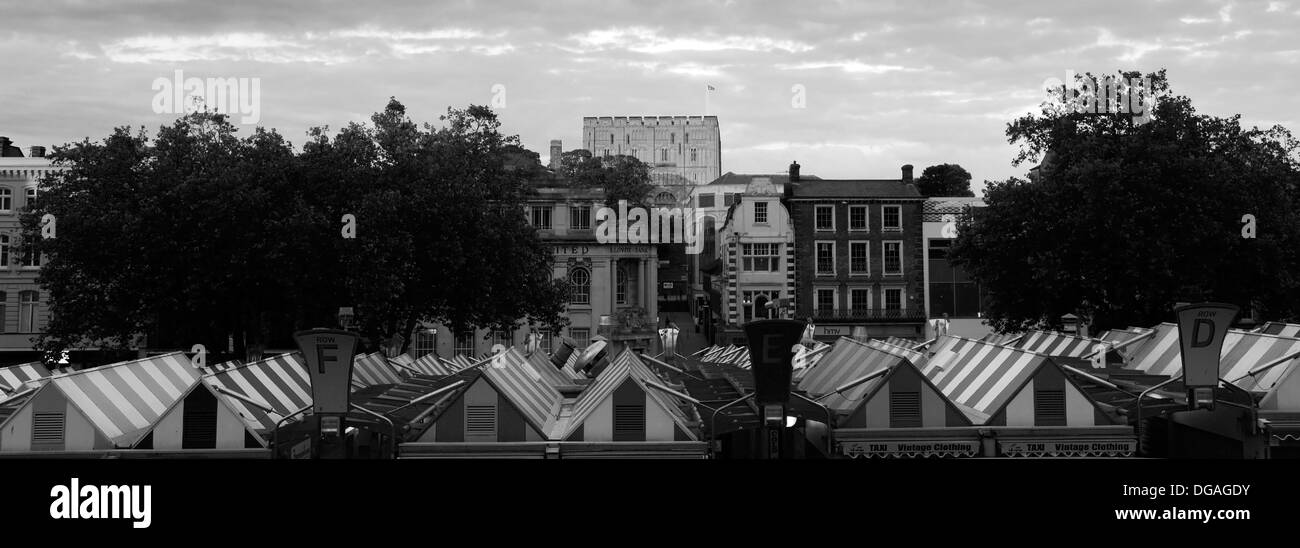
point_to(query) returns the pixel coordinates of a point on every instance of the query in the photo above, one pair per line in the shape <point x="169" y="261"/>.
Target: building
<point x="755" y="248"/>
<point x="951" y="293"/>
<point x="859" y="255"/>
<point x="23" y="306"/>
<point x="613" y="284"/>
<point x="678" y="149"/>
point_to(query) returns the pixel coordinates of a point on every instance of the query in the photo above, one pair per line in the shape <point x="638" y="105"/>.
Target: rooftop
<point x="808" y="188"/>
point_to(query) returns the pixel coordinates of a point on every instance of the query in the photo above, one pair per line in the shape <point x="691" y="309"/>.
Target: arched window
<point x="665" y="198"/>
<point x="672" y="138"/>
<point x="6" y="199"/>
<point x="580" y="286"/>
<point x="27" y="301"/>
<point x="620" y="289"/>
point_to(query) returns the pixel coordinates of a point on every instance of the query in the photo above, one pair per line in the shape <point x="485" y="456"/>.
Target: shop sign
<point x="1067" y="448"/>
<point x="911" y="448"/>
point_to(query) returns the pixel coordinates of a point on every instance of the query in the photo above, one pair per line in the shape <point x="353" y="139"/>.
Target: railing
<point x="869" y="314"/>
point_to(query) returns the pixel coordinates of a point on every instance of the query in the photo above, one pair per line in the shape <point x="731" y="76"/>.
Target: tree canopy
<point x="1125" y="219"/>
<point x="944" y="180"/>
<point x="622" y="177"/>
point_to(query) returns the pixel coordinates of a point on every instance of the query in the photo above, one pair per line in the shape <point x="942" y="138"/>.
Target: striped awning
<point x="978" y="376"/>
<point x="914" y="356"/>
<point x="13" y="378"/>
<point x="124" y="400"/>
<point x="524" y="386"/>
<point x="1242" y="352"/>
<point x="807" y="356"/>
<point x="431" y="364"/>
<point x="403" y="359"/>
<point x="280" y="383"/>
<point x="1002" y="338"/>
<point x="1279" y="328"/>
<point x="373" y="369"/>
<point x="849" y="360"/>
<point x="555" y="376"/>
<point x="1057" y="344"/>
<point x="898" y="341"/>
<point x="626" y="365"/>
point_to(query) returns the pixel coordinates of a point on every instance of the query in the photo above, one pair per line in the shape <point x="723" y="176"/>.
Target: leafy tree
<point x="944" y="180"/>
<point x="1129" y="218"/>
<point x="622" y="177"/>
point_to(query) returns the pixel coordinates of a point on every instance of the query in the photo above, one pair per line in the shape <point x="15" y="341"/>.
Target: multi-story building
<point x="613" y="284"/>
<point x="755" y="246"/>
<point x="680" y="150"/>
<point x="859" y="255"/>
<point x="951" y="293"/>
<point x="23" y="306"/>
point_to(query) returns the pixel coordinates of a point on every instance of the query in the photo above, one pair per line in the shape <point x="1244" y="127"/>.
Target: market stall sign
<point x="910" y="448"/>
<point x="1067" y="448"/>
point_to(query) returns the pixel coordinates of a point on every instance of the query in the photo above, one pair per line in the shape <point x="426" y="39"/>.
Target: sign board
<point x="1067" y="448"/>
<point x="911" y="448"/>
<point x="771" y="356"/>
<point x="1201" y="330"/>
<point x="328" y="353"/>
<point x="835" y="330"/>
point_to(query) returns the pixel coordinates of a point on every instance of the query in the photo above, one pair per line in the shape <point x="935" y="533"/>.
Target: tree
<point x="1128" y="219"/>
<point x="622" y="177"/>
<point x="944" y="180"/>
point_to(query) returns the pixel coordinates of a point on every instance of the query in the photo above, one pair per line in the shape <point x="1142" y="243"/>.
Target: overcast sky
<point x="885" y="83"/>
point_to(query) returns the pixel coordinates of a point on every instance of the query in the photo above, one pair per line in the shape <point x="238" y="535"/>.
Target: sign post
<point x="771" y="344"/>
<point x="1201" y="330"/>
<point x="328" y="354"/>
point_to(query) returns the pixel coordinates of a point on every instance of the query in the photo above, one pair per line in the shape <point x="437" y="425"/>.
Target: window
<point x="580" y="286"/>
<point x="628" y="138"/>
<point x="755" y="304"/>
<point x="1049" y="408"/>
<point x="760" y="212"/>
<point x="687" y="136"/>
<point x="760" y="257"/>
<point x="665" y="198"/>
<point x="465" y="343"/>
<point x="580" y="217"/>
<point x="952" y="291"/>
<point x="620" y="288"/>
<point x="606" y="153"/>
<point x="893" y="252"/>
<point x="480" y="423"/>
<point x="672" y="138"/>
<point x="629" y="422"/>
<point x="891" y="218"/>
<point x="826" y="258"/>
<point x="695" y="157"/>
<point x="825" y="217"/>
<point x="859" y="264"/>
<point x="503" y="338"/>
<point x="904" y="409"/>
<point x="27" y="301"/>
<point x="860" y="298"/>
<point x="825" y="300"/>
<point x="545" y="341"/>
<point x="580" y="336"/>
<point x="4" y="300"/>
<point x="542" y="217"/>
<point x="31" y="197"/>
<point x="425" y="343"/>
<point x="663" y="155"/>
<point x="31" y="254"/>
<point x="4" y="250"/>
<point x="707" y="200"/>
<point x="6" y="199"/>
<point x="858" y="217"/>
<point x="893" y="298"/>
<point x="729" y="198"/>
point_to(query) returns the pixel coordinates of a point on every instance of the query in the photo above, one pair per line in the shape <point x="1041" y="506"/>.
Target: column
<point x="613" y="285"/>
<point x="641" y="290"/>
<point x="652" y="300"/>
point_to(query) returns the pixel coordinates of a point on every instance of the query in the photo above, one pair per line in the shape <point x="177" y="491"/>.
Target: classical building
<point x="755" y="250"/>
<point x="951" y="293"/>
<point x="859" y="255"/>
<point x="680" y="150"/>
<point x="23" y="306"/>
<point x="613" y="284"/>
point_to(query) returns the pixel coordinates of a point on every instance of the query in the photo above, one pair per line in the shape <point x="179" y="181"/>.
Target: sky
<point x="851" y="89"/>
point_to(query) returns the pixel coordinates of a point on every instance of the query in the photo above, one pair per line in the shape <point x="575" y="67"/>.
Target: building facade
<point x="755" y="246"/>
<point x="951" y="293"/>
<point x="859" y="255"/>
<point x="613" y="285"/>
<point x="680" y="150"/>
<point x="23" y="306"/>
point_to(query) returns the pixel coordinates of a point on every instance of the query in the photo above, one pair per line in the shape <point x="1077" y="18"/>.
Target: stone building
<point x="680" y="150"/>
<point x="23" y="306"/>
<point x="755" y="247"/>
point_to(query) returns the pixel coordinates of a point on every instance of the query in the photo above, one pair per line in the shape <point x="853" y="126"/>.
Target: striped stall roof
<point x="554" y="376"/>
<point x="914" y="356"/>
<point x="729" y="355"/>
<point x="524" y="386"/>
<point x="1279" y="328"/>
<point x="216" y="368"/>
<point x="403" y="359"/>
<point x="123" y="400"/>
<point x="624" y="366"/>
<point x="848" y="361"/>
<point x="1052" y="343"/>
<point x="1001" y="338"/>
<point x="13" y="378"/>
<point x="280" y="383"/>
<point x="431" y="364"/>
<point x="808" y="356"/>
<point x="1251" y="350"/>
<point x="898" y="341"/>
<point x="373" y="369"/>
<point x="979" y="376"/>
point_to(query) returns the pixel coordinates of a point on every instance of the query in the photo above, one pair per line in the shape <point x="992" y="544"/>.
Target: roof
<point x="430" y="364"/>
<point x="12" y="378"/>
<point x="279" y="382"/>
<point x="555" y="376"/>
<point x="1057" y="344"/>
<point x="1279" y="328"/>
<point x="847" y="361"/>
<point x="980" y="376"/>
<point x="730" y="178"/>
<point x="395" y="401"/>
<point x="1001" y="338"/>
<point x="626" y="365"/>
<point x="517" y="380"/>
<point x="372" y="369"/>
<point x="1244" y="351"/>
<point x="855" y="188"/>
<point x="123" y="400"/>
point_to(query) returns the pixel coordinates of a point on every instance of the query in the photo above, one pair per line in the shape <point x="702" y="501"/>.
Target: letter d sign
<point x="1201" y="329"/>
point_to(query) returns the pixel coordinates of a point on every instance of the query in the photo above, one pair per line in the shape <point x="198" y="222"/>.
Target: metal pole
<point x="276" y="436"/>
<point x="829" y="427"/>
<point x="713" y="421"/>
<point x="392" y="429"/>
<point x="1144" y="393"/>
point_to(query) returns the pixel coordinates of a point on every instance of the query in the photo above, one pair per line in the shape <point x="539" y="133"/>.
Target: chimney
<point x="38" y="152"/>
<point x="557" y="148"/>
<point x="907" y="173"/>
<point x="794" y="172"/>
<point x="7" y="150"/>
